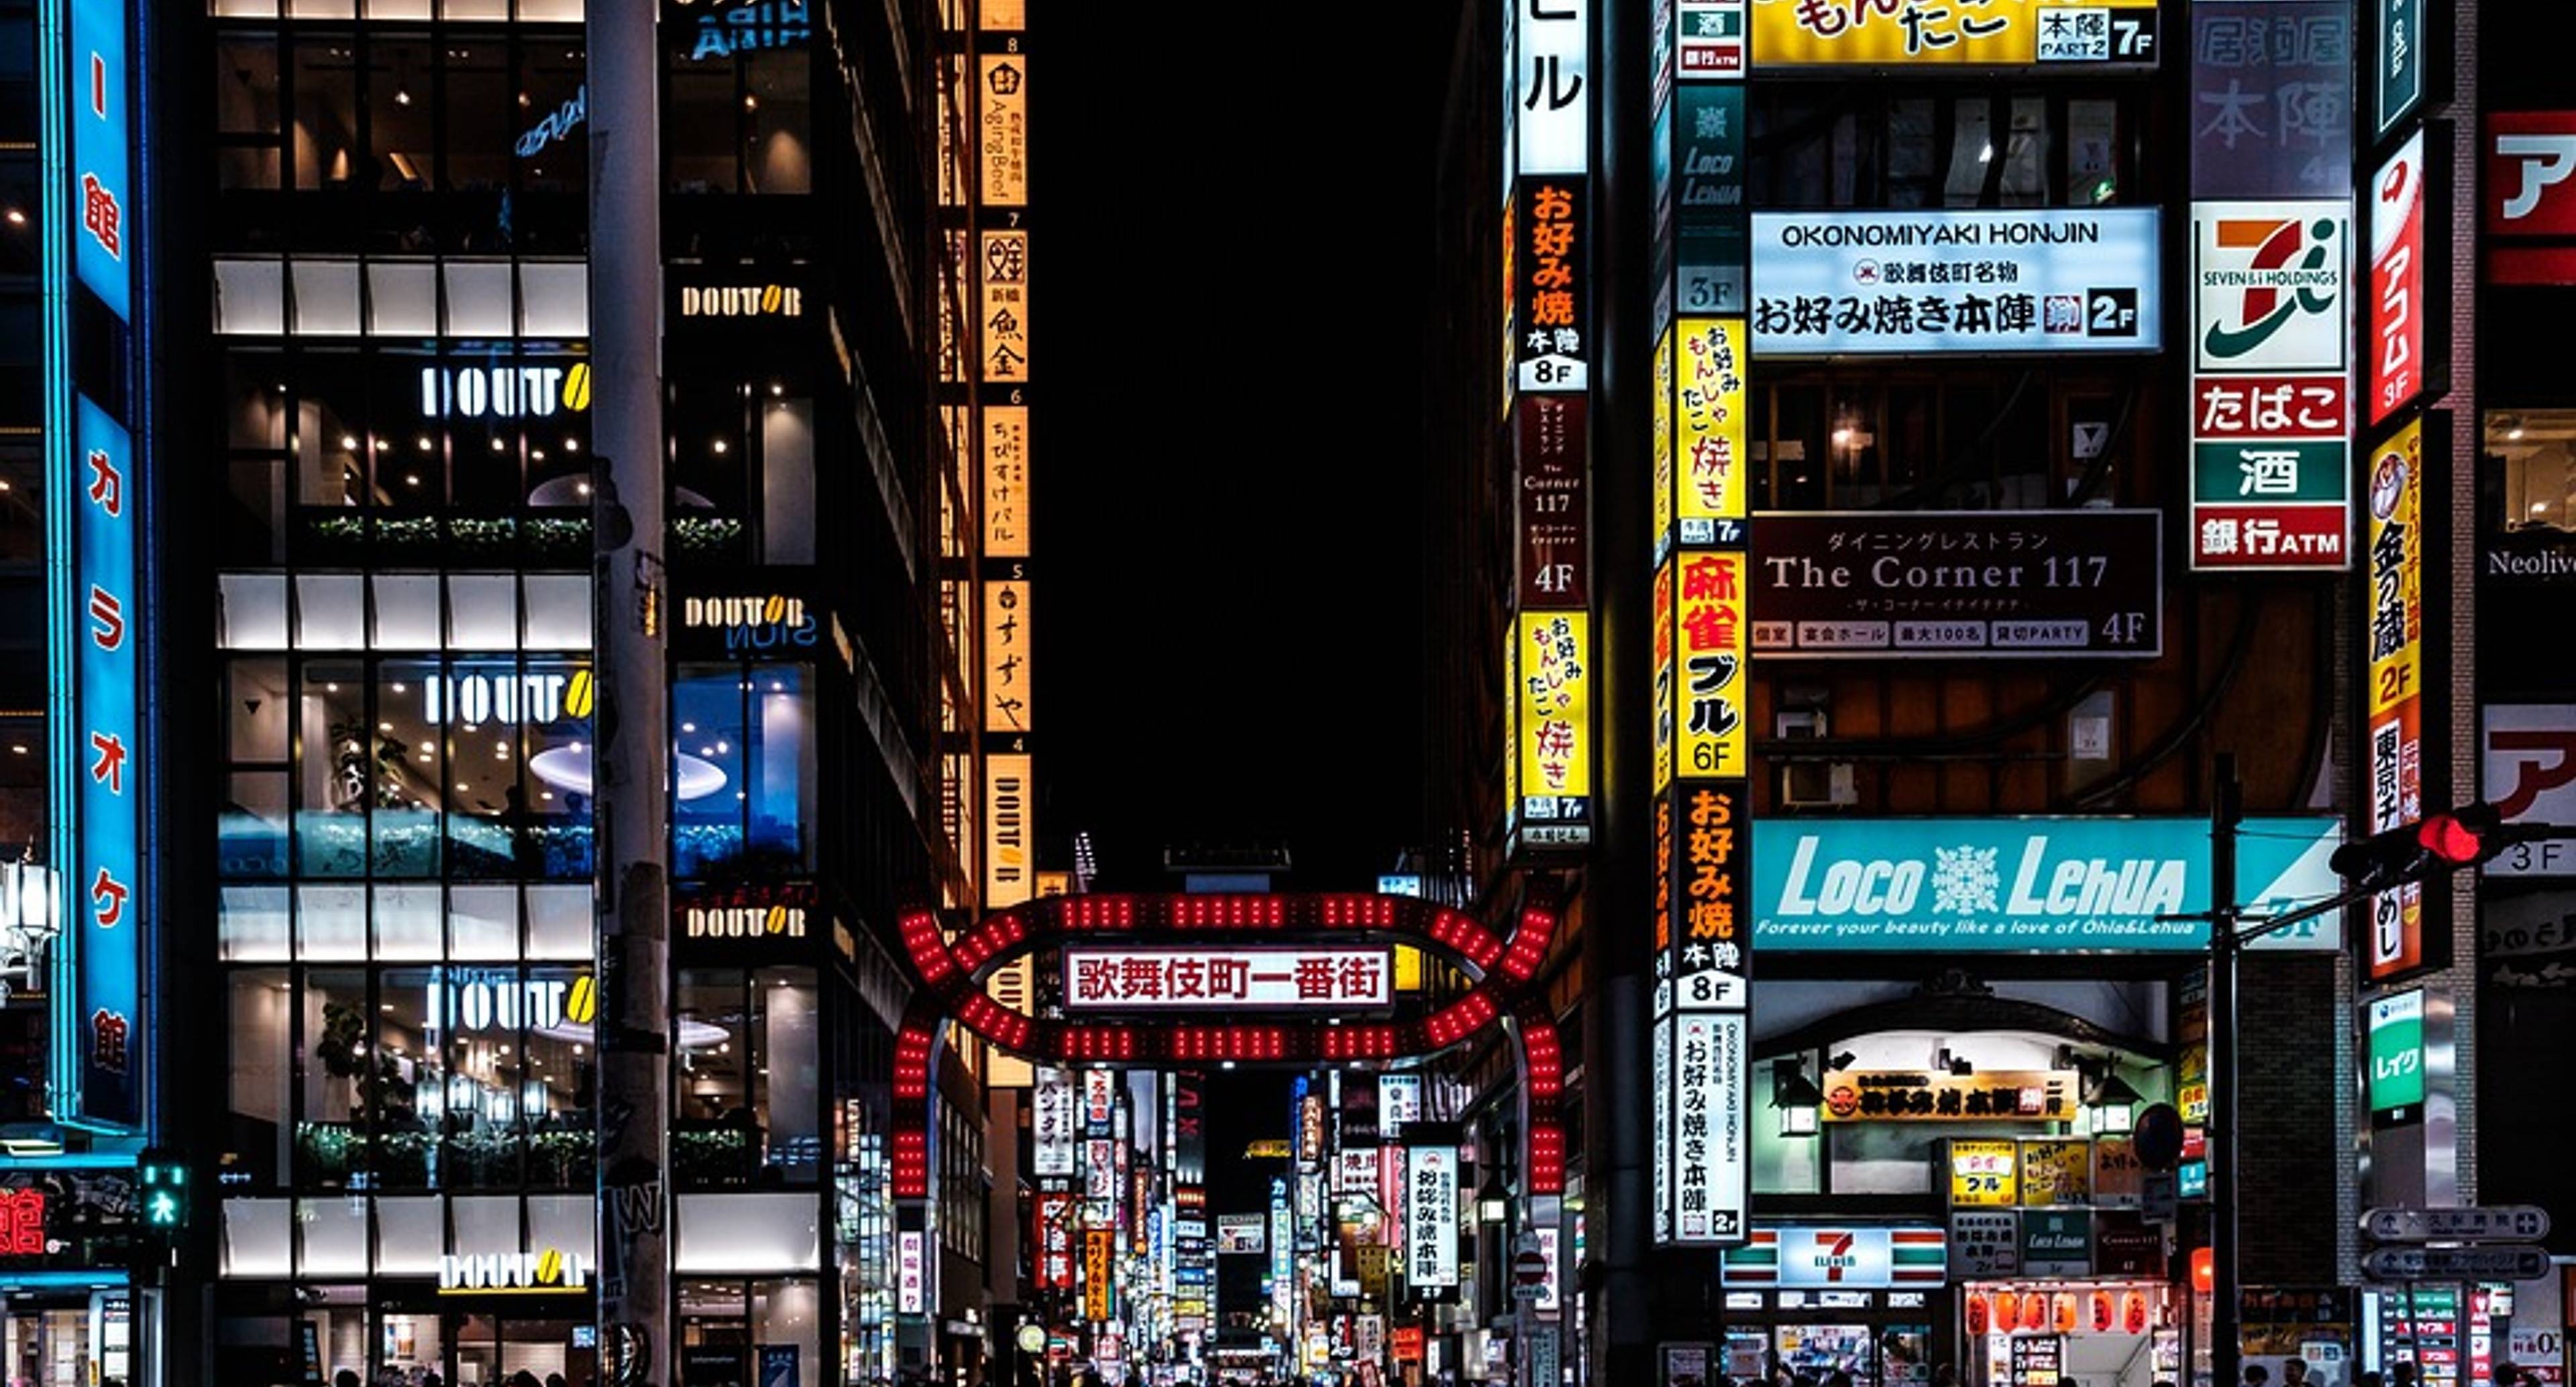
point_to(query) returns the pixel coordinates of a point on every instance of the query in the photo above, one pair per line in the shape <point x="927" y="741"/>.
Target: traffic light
<point x="161" y="1177"/>
<point x="2437" y="843"/>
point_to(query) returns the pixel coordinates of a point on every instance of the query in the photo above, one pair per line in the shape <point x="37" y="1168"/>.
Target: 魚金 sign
<point x="1984" y="584"/>
<point x="1983" y="885"/>
<point x="1909" y="1095"/>
<point x="1968" y="281"/>
<point x="1995" y="33"/>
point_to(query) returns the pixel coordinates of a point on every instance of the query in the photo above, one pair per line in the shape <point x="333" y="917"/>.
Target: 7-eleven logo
<point x="1833" y="1253"/>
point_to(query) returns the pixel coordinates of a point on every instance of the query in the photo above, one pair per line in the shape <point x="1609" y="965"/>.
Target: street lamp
<point x="1796" y="1096"/>
<point x="1493" y="1202"/>
<point x="2114" y="1104"/>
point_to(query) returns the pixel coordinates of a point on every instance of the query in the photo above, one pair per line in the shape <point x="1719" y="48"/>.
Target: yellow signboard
<point x="1709" y="683"/>
<point x="1010" y="830"/>
<point x="1099" y="1249"/>
<point x="1661" y="431"/>
<point x="1002" y="136"/>
<point x="2056" y="1171"/>
<point x="1984" y="1174"/>
<point x="1006" y="307"/>
<point x="1707" y="413"/>
<point x="1006" y="655"/>
<point x="1555" y="651"/>
<point x="1006" y="481"/>
<point x="1797" y="33"/>
<point x="2396" y="552"/>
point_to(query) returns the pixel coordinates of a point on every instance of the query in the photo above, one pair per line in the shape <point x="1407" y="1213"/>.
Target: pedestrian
<point x="2294" y="1373"/>
<point x="2256" y="1375"/>
<point x="2403" y="1375"/>
<point x="1946" y="1375"/>
<point x="2367" y="1378"/>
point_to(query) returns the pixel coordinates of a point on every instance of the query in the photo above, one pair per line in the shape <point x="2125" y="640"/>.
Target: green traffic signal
<point x="163" y="1178"/>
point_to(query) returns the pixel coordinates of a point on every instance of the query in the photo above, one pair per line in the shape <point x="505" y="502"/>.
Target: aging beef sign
<point x="1991" y="584"/>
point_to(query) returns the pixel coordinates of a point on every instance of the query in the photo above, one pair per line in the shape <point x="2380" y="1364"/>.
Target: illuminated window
<point x="2534" y="492"/>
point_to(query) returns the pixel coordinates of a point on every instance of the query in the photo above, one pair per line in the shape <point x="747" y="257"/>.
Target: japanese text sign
<point x="1938" y="281"/>
<point x="1711" y="39"/>
<point x="1006" y="307"/>
<point x="1983" y="1173"/>
<point x="101" y="165"/>
<point x="1707" y="156"/>
<point x="1710" y="683"/>
<point x="1129" y="979"/>
<point x="1052" y="1122"/>
<point x="2397" y="303"/>
<point x="1801" y="33"/>
<point x="2529" y="194"/>
<point x="1003" y="140"/>
<point x="106" y="908"/>
<point x="2271" y="98"/>
<point x="1700" y="442"/>
<point x="2398" y="80"/>
<point x="2270" y="410"/>
<point x="1006" y="481"/>
<point x="1985" y="1242"/>
<point x="2056" y="1171"/>
<point x="1983" y="584"/>
<point x="912" y="1272"/>
<point x="1554" y="97"/>
<point x="1431" y="1215"/>
<point x="1007" y="646"/>
<point x="1703" y="827"/>
<point x="1554" y="673"/>
<point x="1054" y="1215"/>
<point x="1702" y="1139"/>
<point x="1555" y="288"/>
<point x="2394" y="638"/>
<point x="1552" y="517"/>
<point x="1910" y="1095"/>
<point x="2396" y="1038"/>
<point x="1099" y="1274"/>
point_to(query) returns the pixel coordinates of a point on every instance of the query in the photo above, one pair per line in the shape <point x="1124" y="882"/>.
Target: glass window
<point x="251" y="924"/>
<point x="746" y="768"/>
<point x="331" y="922"/>
<point x="341" y="1078"/>
<point x="778" y="120"/>
<point x="558" y="611"/>
<point x="260" y="1024"/>
<point x="554" y="299"/>
<point x="787" y="502"/>
<point x="407" y="615"/>
<point x="402" y="298"/>
<point x="413" y="1105"/>
<point x="554" y="161"/>
<point x="2537" y="481"/>
<point x="400" y="97"/>
<point x="250" y="296"/>
<point x="483" y="922"/>
<point x="410" y="922"/>
<point x="338" y="774"/>
<point x="478" y="299"/>
<point x="554" y="788"/>
<point x="326" y="111"/>
<point x="484" y="115"/>
<point x="559" y="917"/>
<point x="698" y="133"/>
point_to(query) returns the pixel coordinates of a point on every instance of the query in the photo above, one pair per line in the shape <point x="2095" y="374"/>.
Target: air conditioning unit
<point x="1812" y="784"/>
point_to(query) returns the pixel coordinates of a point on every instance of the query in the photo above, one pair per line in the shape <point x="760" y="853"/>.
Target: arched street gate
<point x="953" y="976"/>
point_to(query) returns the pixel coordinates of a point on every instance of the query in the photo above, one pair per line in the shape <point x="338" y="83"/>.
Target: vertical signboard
<point x="1007" y="643"/>
<point x="1706" y="450"/>
<point x="2271" y="175"/>
<point x="1005" y="259"/>
<point x="2397" y="280"/>
<point x="1555" y="103"/>
<point x="1052" y="1118"/>
<point x="1010" y="830"/>
<point x="1002" y="137"/>
<point x="1710" y="230"/>
<point x="2395" y="1034"/>
<point x="1554" y="659"/>
<point x="1431" y="1215"/>
<point x="1702" y="1138"/>
<point x="1099" y="1272"/>
<point x="98" y="617"/>
<point x="1554" y="459"/>
<point x="1554" y="293"/>
<point x="2394" y="637"/>
<point x="1006" y="481"/>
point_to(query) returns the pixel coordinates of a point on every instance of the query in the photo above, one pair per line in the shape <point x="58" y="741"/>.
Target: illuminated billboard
<point x="1554" y="756"/>
<point x="1957" y="281"/>
<point x="1165" y="979"/>
<point x="1987" y="33"/>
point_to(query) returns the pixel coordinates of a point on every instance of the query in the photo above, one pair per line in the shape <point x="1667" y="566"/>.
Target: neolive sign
<point x="1953" y="584"/>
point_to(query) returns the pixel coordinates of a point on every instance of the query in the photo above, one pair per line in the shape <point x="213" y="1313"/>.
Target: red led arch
<point x="953" y="987"/>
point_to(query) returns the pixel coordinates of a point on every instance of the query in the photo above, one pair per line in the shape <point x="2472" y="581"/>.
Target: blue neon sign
<point x="97" y="623"/>
<point x="102" y="162"/>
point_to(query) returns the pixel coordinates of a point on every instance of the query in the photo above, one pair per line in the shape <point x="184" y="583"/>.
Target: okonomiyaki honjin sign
<point x="1870" y="282"/>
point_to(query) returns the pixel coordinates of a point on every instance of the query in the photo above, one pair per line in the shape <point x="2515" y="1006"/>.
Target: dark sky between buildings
<point x="1230" y="246"/>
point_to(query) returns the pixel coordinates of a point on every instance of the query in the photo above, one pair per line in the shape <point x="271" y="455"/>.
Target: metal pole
<point x="2226" y="810"/>
<point x="631" y="741"/>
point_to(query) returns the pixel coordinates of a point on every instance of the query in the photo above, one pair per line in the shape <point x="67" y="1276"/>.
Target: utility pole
<point x="2226" y="811"/>
<point x="631" y="750"/>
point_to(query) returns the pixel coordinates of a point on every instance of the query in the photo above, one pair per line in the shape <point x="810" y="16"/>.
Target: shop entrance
<point x="2070" y="1334"/>
<point x="422" y="1342"/>
<point x="68" y="1339"/>
<point x="1877" y="1345"/>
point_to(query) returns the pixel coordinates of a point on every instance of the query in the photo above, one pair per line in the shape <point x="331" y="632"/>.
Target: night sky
<point x="1229" y="252"/>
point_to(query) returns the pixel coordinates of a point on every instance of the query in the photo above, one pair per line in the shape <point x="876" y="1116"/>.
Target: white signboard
<point x="1555" y="85"/>
<point x="2529" y="775"/>
<point x="1051" y="1122"/>
<point x="1355" y="1171"/>
<point x="1985" y="1242"/>
<point x="1165" y="979"/>
<point x="1827" y="283"/>
<point x="2270" y="280"/>
<point x="1242" y="1233"/>
<point x="912" y="1273"/>
<point x="1399" y="1101"/>
<point x="1099" y="1100"/>
<point x="1431" y="1216"/>
<point x="1703" y="1129"/>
